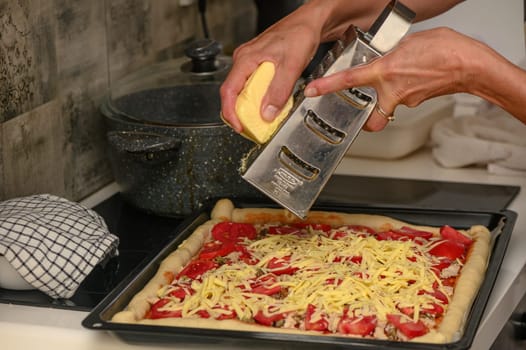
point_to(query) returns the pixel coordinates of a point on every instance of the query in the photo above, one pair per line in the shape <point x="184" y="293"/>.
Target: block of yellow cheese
<point x="248" y="105"/>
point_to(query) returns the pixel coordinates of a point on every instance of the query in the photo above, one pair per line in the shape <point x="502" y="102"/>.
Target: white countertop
<point x="24" y="327"/>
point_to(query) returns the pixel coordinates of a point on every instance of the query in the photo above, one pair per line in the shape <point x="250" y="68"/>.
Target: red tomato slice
<point x="245" y="255"/>
<point x="449" y="232"/>
<point x="281" y="266"/>
<point x="233" y="231"/>
<point x="442" y="264"/>
<point x="390" y="235"/>
<point x="196" y="268"/>
<point x="434" y="310"/>
<point x="155" y="313"/>
<point x="448" y="249"/>
<point x="440" y="297"/>
<point x="214" y="249"/>
<point x="450" y="281"/>
<point x="264" y="285"/>
<point x="319" y="325"/>
<point x="404" y="233"/>
<point x="407" y="310"/>
<point x="413" y="233"/>
<point x="364" y="325"/>
<point x="248" y="259"/>
<point x="230" y="314"/>
<point x="203" y="314"/>
<point x="409" y="329"/>
<point x="361" y="228"/>
<point x="181" y="291"/>
<point x="261" y="318"/>
<point x="358" y="230"/>
<point x="339" y="235"/>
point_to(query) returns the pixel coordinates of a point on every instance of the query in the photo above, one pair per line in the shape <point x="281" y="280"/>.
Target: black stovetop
<point x="143" y="235"/>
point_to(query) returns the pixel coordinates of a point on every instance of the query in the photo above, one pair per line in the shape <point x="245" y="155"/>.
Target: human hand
<point x="424" y="65"/>
<point x="288" y="44"/>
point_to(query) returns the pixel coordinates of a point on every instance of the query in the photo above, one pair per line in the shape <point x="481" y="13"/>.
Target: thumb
<point x="278" y="94"/>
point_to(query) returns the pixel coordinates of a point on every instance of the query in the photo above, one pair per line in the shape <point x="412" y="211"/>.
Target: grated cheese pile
<point x="335" y="272"/>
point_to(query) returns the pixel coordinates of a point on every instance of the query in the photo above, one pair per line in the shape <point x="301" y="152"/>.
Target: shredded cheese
<point x="385" y="277"/>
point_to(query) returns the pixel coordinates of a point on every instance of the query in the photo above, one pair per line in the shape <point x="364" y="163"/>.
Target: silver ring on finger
<point x="387" y="116"/>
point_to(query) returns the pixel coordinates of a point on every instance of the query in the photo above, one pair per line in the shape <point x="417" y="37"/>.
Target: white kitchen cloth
<point x="53" y="243"/>
<point x="493" y="138"/>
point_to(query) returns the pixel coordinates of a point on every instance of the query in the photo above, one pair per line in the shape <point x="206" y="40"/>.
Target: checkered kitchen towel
<point x="53" y="243"/>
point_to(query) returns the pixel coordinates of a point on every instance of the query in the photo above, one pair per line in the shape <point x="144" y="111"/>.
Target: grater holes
<point x="356" y="97"/>
<point x="323" y="129"/>
<point x="297" y="165"/>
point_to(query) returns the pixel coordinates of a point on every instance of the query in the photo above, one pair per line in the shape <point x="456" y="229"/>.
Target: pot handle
<point x="144" y="147"/>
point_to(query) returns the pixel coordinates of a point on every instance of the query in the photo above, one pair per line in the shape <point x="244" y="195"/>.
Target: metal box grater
<point x="294" y="166"/>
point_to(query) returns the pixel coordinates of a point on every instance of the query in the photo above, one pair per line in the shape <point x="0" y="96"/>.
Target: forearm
<point x="499" y="81"/>
<point x="333" y="17"/>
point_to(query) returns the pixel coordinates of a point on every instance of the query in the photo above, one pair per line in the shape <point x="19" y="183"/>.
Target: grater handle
<point x="392" y="24"/>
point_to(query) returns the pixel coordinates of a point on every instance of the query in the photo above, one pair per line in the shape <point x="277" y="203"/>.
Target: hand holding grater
<point x="294" y="166"/>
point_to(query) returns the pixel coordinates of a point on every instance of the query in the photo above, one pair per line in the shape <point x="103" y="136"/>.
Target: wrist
<point x="333" y="17"/>
<point x="484" y="73"/>
<point x="498" y="81"/>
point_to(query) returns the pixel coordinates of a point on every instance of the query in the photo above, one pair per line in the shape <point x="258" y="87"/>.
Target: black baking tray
<point x="500" y="224"/>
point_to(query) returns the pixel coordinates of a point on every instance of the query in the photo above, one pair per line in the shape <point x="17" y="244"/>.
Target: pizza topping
<point x="157" y="310"/>
<point x="265" y="284"/>
<point x="283" y="230"/>
<point x="405" y="233"/>
<point x="315" y="320"/>
<point x="225" y="313"/>
<point x="232" y="232"/>
<point x="448" y="248"/>
<point x="351" y="279"/>
<point x="196" y="268"/>
<point x="313" y="227"/>
<point x="281" y="266"/>
<point x="410" y="329"/>
<point x="216" y="249"/>
<point x="449" y="232"/>
<point x="179" y="290"/>
<point x="357" y="325"/>
<point x="269" y="319"/>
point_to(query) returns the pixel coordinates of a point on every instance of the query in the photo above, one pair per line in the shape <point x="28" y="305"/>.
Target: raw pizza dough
<point x="449" y="329"/>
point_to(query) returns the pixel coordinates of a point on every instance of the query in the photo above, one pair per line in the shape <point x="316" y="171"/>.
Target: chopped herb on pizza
<point x="334" y="273"/>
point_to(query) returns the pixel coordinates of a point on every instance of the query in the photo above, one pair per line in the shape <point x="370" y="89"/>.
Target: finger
<point x="364" y="75"/>
<point x="230" y="90"/>
<point x="279" y="91"/>
<point x="332" y="83"/>
<point x="376" y="122"/>
<point x="379" y="117"/>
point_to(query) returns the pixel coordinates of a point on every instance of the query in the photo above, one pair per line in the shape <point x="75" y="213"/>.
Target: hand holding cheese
<point x="419" y="68"/>
<point x="248" y="105"/>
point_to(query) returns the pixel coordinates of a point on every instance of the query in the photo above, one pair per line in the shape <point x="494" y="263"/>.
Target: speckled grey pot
<point x="172" y="170"/>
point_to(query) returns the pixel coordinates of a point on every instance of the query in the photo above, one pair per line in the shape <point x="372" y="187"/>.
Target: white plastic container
<point x="10" y="278"/>
<point x="409" y="132"/>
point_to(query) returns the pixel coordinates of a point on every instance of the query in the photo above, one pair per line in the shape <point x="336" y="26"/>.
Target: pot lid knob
<point x="203" y="54"/>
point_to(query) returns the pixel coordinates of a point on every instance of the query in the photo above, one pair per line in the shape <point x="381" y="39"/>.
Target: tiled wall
<point x="56" y="58"/>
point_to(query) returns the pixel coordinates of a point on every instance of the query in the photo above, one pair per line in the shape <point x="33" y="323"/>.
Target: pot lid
<point x="182" y="105"/>
<point x="177" y="92"/>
